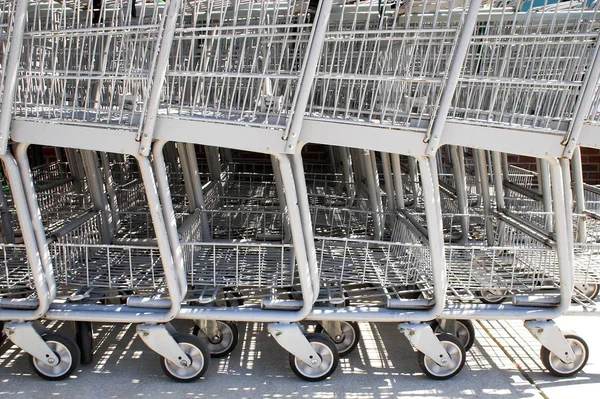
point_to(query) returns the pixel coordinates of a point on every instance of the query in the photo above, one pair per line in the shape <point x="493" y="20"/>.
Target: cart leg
<point x="27" y="336"/>
<point x="292" y="339"/>
<point x="160" y="340"/>
<point x="550" y="336"/>
<point x="422" y="337"/>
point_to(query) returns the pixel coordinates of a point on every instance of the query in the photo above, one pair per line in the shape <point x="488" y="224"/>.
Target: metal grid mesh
<point x="84" y="63"/>
<point x="237" y="62"/>
<point x="385" y="66"/>
<point x="525" y="68"/>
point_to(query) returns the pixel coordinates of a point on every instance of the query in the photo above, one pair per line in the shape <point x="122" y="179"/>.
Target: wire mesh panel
<point x="593" y="116"/>
<point x="386" y="64"/>
<point x="6" y="10"/>
<point x="238" y="62"/>
<point x="526" y="65"/>
<point x="16" y="280"/>
<point x="89" y="61"/>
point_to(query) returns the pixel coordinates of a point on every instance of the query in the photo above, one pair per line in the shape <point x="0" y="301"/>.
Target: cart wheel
<point x="590" y="290"/>
<point x="465" y="332"/>
<point x="85" y="340"/>
<point x="348" y="340"/>
<point x="557" y="367"/>
<point x="224" y="342"/>
<point x="455" y="349"/>
<point x="492" y="296"/>
<point x="68" y="355"/>
<point x="325" y="348"/>
<point x="196" y="349"/>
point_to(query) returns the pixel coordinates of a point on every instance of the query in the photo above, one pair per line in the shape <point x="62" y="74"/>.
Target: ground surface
<point x="503" y="363"/>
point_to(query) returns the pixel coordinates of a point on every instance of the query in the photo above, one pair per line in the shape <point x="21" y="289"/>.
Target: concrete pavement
<point x="503" y="363"/>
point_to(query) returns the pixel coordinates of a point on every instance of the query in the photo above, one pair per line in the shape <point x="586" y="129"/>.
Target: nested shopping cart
<point x="525" y="89"/>
<point x="384" y="82"/>
<point x="90" y="77"/>
<point x="238" y="79"/>
<point x="27" y="280"/>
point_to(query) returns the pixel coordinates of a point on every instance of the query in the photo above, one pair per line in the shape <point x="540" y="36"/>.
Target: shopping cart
<point x="385" y="78"/>
<point x="89" y="79"/>
<point x="238" y="79"/>
<point x="27" y="282"/>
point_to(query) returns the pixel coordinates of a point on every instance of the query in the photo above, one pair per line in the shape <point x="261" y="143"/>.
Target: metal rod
<point x="584" y="103"/>
<point x="309" y="68"/>
<point x="460" y="181"/>
<point x="281" y="196"/>
<point x="348" y="176"/>
<point x="112" y="195"/>
<point x="11" y="71"/>
<point x="544" y="179"/>
<point x="90" y="164"/>
<point x="158" y="76"/>
<point x="158" y="162"/>
<point x="43" y="279"/>
<point x="304" y="209"/>
<point x="398" y="185"/>
<point x="579" y="194"/>
<point x="373" y="195"/>
<point x="389" y="184"/>
<point x="197" y="185"/>
<point x="187" y="177"/>
<point x="460" y="52"/>
<point x="498" y="178"/>
<point x="412" y="171"/>
<point x="480" y="165"/>
<point x="34" y="220"/>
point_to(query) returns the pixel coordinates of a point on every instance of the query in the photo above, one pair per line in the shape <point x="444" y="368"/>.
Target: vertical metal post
<point x="197" y="185"/>
<point x="307" y="229"/>
<point x="73" y="157"/>
<point x="187" y="177"/>
<point x="481" y="166"/>
<point x="8" y="232"/>
<point x="435" y="233"/>
<point x="414" y="178"/>
<point x="348" y="176"/>
<point x="373" y="195"/>
<point x="544" y="177"/>
<point x="158" y="161"/>
<point x="460" y="181"/>
<point x="42" y="276"/>
<point x="564" y="251"/>
<point x="26" y="189"/>
<point x="90" y="164"/>
<point x="389" y="184"/>
<point x="281" y="195"/>
<point x="579" y="194"/>
<point x="499" y="189"/>
<point x="112" y="195"/>
<point x="298" y="234"/>
<point x="398" y="184"/>
<point x="375" y="171"/>
<point x="565" y="166"/>
<point x="498" y="179"/>
<point x="359" y="170"/>
<point x="505" y="169"/>
<point x="162" y="238"/>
